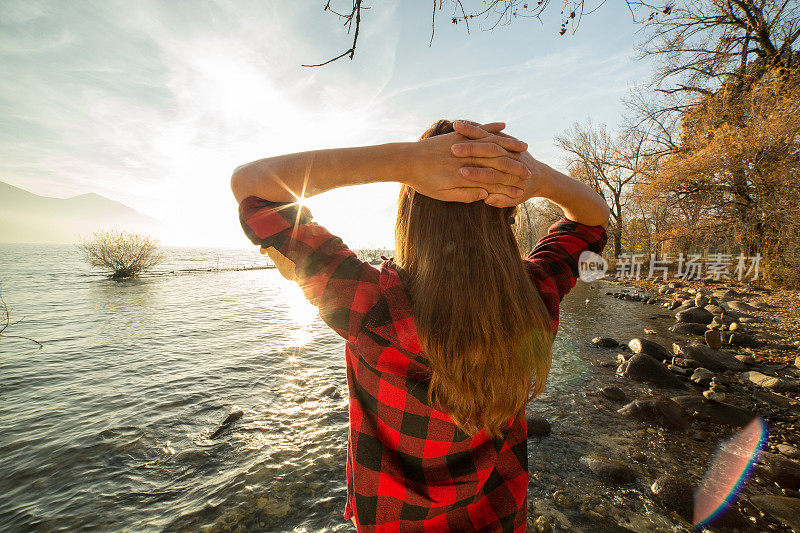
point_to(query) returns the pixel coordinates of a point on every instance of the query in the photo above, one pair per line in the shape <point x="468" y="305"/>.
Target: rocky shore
<point x="735" y="356"/>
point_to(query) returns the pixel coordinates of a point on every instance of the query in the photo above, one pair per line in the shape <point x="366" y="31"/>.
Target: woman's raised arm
<point x="429" y="166"/>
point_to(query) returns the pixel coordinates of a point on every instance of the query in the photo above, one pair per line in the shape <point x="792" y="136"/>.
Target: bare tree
<point x="125" y="254"/>
<point x="494" y="12"/>
<point x="7" y="321"/>
<point x="593" y="156"/>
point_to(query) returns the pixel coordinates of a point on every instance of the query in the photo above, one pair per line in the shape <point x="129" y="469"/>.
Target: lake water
<point x="108" y="426"/>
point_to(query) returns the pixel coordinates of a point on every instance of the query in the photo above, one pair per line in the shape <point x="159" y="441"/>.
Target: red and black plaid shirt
<point x="409" y="467"/>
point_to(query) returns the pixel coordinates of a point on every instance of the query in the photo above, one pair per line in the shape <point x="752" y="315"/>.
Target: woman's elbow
<point x="239" y="183"/>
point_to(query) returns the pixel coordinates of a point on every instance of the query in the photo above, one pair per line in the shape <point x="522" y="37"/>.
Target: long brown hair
<point x="484" y="328"/>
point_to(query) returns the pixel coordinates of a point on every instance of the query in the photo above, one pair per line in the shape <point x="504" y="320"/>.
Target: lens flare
<point x="730" y="468"/>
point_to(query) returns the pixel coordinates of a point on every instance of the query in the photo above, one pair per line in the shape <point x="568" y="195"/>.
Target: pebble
<point x="714" y="396"/>
<point x="702" y="376"/>
<point x="543" y="525"/>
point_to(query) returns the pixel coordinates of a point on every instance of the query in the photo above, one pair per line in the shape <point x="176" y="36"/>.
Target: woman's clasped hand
<point x="476" y="162"/>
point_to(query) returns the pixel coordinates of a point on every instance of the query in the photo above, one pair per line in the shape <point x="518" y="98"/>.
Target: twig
<point x="8" y="322"/>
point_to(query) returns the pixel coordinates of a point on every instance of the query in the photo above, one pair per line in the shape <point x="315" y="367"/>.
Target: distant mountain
<point x="28" y="217"/>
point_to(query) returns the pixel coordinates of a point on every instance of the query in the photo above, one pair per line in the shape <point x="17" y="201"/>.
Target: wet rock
<point x="686" y="363"/>
<point x="662" y="411"/>
<point x="688" y="328"/>
<point x="675" y="493"/>
<point x="697" y="315"/>
<point x="537" y="425"/>
<point x="605" y="342"/>
<point x="653" y="349"/>
<point x="785" y="472"/>
<point x="613" y="393"/>
<point x="784" y="508"/>
<point x="608" y="469"/>
<point x="331" y="392"/>
<point x="769" y="382"/>
<point x="702" y="376"/>
<point x="701" y="353"/>
<point x="643" y="368"/>
<point x="713" y="339"/>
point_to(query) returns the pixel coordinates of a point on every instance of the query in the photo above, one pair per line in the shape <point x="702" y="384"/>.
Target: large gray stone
<point x="714" y="360"/>
<point x="653" y="349"/>
<point x="661" y="411"/>
<point x="641" y="367"/>
<point x="697" y="315"/>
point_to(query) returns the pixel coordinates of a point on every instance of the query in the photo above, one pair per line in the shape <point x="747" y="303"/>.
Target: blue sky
<point x="154" y="104"/>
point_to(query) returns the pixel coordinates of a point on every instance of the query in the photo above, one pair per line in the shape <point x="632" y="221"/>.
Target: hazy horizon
<point x="154" y="104"/>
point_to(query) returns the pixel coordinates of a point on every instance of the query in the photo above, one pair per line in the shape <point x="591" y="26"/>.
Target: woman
<point x="446" y="343"/>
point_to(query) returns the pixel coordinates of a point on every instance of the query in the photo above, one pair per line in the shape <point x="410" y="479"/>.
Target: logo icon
<point x="591" y="266"/>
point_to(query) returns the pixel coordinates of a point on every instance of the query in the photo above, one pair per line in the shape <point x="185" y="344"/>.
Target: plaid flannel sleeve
<point x="553" y="262"/>
<point x="331" y="276"/>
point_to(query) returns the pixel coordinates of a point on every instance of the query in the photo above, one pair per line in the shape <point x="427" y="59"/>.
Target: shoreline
<point x="672" y="399"/>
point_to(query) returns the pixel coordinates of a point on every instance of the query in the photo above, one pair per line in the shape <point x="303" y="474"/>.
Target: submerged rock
<point x="607" y="469"/>
<point x="675" y="493"/>
<point x="229" y="420"/>
<point x="613" y="393"/>
<point x="718" y="413"/>
<point x="662" y="411"/>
